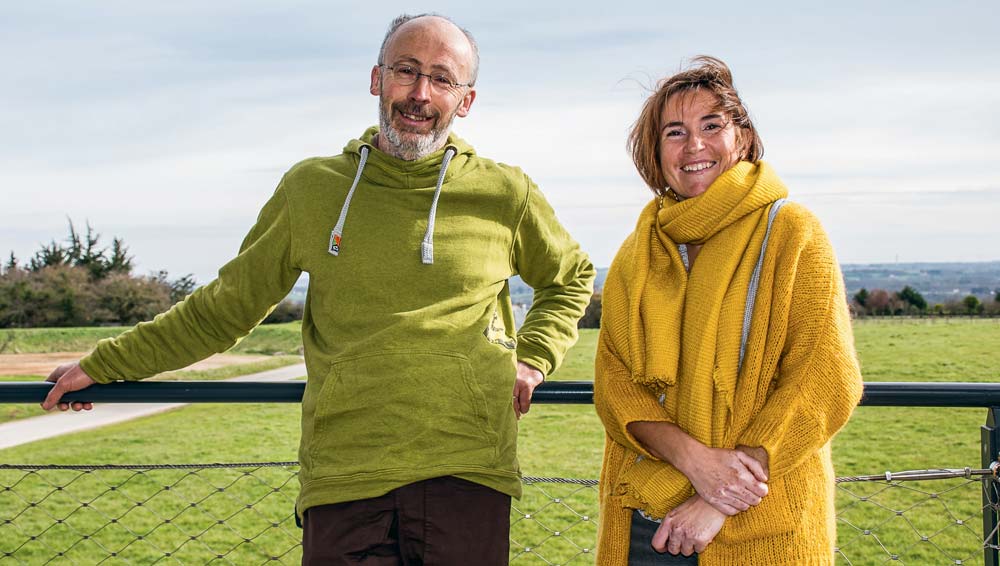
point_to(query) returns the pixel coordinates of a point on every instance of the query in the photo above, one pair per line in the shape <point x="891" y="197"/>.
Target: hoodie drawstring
<point x="427" y="245"/>
<point x="338" y="230"/>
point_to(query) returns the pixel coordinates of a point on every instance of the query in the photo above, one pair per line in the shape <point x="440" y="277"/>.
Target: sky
<point x="169" y="124"/>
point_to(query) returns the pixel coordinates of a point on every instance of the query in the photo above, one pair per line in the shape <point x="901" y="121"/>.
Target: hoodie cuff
<point x="534" y="357"/>
<point x="94" y="366"/>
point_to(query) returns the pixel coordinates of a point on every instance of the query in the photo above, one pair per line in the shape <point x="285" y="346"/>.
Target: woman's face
<point x="697" y="142"/>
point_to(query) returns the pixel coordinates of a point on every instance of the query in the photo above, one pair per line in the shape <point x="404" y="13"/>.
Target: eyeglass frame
<point x="430" y="78"/>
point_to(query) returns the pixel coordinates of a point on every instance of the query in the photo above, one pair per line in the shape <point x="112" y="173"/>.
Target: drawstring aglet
<point x="427" y="252"/>
<point x="334" y="243"/>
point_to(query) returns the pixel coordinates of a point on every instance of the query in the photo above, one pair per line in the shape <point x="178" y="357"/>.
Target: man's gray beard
<point x="415" y="146"/>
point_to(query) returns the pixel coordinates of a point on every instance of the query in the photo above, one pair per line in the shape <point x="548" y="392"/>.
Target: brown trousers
<point x="438" y="522"/>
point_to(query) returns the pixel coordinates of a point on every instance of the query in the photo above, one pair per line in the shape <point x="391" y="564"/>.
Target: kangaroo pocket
<point x="401" y="410"/>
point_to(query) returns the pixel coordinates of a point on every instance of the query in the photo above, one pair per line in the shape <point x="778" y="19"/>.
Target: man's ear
<point x="466" y="104"/>
<point x="376" y="86"/>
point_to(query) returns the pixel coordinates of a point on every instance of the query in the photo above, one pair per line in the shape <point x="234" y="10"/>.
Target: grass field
<point x="265" y="339"/>
<point x="567" y="441"/>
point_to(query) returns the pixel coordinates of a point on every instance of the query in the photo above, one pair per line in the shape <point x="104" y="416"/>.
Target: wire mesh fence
<point x="243" y="514"/>
<point x="227" y="514"/>
<point x="555" y="522"/>
<point x="915" y="517"/>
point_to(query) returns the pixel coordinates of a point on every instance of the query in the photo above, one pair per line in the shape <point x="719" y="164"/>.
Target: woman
<point x="720" y="379"/>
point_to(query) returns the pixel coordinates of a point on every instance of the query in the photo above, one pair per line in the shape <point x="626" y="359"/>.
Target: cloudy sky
<point x="169" y="123"/>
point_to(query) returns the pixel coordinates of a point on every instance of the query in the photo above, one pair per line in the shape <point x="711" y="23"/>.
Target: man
<point x="415" y="379"/>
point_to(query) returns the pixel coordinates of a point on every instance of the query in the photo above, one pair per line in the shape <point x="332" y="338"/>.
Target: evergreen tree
<point x="913" y="298"/>
<point x="49" y="256"/>
<point x="12" y="266"/>
<point x="861" y="297"/>
<point x="120" y="261"/>
<point x="183" y="287"/>
<point x="972" y="304"/>
<point x="84" y="252"/>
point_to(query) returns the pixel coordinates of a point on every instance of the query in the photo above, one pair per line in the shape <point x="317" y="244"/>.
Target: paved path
<point x="53" y="424"/>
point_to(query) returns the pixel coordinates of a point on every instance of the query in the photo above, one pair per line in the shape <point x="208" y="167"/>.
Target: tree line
<point x="79" y="282"/>
<point x="82" y="283"/>
<point x="877" y="302"/>
<point x="909" y="302"/>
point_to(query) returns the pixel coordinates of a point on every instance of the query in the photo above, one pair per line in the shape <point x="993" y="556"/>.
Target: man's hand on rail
<point x="528" y="378"/>
<point x="67" y="378"/>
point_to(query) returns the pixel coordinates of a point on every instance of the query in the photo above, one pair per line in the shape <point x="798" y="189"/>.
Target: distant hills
<point x="937" y="282"/>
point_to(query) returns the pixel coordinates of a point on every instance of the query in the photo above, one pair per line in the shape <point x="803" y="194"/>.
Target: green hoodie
<point x="411" y="362"/>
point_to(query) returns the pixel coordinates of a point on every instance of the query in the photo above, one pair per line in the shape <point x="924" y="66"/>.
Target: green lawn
<point x="943" y="349"/>
<point x="565" y="441"/>
<point x="45" y="340"/>
<point x="265" y="339"/>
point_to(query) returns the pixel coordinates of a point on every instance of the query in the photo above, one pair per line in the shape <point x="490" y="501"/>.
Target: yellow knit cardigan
<point x="798" y="384"/>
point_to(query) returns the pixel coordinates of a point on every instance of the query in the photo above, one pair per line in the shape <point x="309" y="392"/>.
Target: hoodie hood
<point x="391" y="172"/>
<point x="388" y="171"/>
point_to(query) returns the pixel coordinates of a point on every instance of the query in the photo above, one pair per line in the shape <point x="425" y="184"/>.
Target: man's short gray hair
<point x="403" y="18"/>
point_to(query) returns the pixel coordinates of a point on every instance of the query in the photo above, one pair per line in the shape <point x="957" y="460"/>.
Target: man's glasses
<point x="406" y="75"/>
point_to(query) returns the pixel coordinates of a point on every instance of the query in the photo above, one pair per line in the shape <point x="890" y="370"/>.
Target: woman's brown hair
<point x="706" y="73"/>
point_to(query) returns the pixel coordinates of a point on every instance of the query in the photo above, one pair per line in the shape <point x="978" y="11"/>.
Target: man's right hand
<point x="67" y="378"/>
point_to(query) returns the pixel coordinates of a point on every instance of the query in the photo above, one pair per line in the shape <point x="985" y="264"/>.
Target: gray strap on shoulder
<point x="755" y="281"/>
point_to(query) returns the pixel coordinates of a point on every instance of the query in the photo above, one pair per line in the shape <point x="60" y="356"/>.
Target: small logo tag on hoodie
<point x="334" y="243"/>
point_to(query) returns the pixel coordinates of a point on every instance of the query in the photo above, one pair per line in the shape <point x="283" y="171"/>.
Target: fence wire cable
<point x="919" y="475"/>
<point x="208" y="521"/>
<point x="243" y="513"/>
<point x="936" y="524"/>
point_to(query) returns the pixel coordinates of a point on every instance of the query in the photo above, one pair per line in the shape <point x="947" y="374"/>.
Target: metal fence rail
<point x="877" y="394"/>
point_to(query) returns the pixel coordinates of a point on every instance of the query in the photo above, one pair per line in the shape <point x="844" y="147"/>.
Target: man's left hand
<point x="527" y="380"/>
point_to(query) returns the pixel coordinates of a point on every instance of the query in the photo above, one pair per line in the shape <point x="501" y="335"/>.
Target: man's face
<point x="414" y="119"/>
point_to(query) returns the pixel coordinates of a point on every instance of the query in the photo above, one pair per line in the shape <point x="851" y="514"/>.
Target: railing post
<point x="990" y="443"/>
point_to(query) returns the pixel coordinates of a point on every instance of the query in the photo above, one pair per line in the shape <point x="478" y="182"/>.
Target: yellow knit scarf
<point x="677" y="345"/>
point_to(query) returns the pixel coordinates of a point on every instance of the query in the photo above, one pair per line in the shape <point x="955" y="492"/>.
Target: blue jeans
<point x="641" y="553"/>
